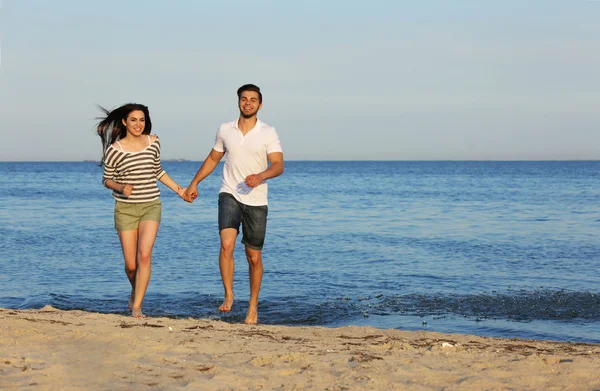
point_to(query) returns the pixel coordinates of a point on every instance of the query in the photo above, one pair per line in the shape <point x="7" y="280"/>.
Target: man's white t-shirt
<point x="246" y="155"/>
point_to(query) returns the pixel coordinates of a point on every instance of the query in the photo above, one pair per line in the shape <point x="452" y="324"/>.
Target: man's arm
<point x="274" y="170"/>
<point x="209" y="165"/>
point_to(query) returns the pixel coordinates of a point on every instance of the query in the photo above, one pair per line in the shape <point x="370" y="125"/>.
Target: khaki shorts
<point x="128" y="216"/>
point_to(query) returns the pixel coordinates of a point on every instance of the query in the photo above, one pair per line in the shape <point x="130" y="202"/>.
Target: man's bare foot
<point x="137" y="313"/>
<point x="252" y="317"/>
<point x="227" y="304"/>
<point x="131" y="296"/>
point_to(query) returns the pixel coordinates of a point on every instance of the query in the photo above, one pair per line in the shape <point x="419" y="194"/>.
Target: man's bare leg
<point x="226" y="266"/>
<point x="255" y="269"/>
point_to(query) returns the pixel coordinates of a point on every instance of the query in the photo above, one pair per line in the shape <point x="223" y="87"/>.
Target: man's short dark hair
<point x="249" y="87"/>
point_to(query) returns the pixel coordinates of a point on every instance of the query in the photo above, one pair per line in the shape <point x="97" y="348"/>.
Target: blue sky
<point x="391" y="80"/>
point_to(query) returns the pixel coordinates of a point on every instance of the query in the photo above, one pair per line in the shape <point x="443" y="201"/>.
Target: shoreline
<point x="76" y="350"/>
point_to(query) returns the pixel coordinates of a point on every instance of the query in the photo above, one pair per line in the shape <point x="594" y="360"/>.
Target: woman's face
<point x="135" y="123"/>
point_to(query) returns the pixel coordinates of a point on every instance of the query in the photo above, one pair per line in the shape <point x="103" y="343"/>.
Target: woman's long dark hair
<point x="111" y="128"/>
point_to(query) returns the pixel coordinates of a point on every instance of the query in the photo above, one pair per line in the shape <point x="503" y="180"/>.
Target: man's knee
<point x="254" y="258"/>
<point x="227" y="246"/>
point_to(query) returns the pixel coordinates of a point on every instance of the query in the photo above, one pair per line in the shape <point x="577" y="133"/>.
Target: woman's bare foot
<point x="137" y="313"/>
<point x="227" y="304"/>
<point x="252" y="317"/>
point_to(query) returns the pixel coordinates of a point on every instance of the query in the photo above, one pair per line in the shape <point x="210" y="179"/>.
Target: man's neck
<point x="247" y="124"/>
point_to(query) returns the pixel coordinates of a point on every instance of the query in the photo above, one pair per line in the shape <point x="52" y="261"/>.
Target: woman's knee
<point x="144" y="258"/>
<point x="130" y="269"/>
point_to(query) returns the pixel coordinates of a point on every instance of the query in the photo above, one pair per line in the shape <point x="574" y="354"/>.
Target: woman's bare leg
<point x="128" y="241"/>
<point x="147" y="232"/>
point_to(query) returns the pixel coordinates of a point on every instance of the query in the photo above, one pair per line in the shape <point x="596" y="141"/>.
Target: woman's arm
<point x="166" y="180"/>
<point x="125" y="189"/>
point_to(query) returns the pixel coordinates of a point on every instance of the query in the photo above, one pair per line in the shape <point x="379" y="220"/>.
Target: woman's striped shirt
<point x="140" y="169"/>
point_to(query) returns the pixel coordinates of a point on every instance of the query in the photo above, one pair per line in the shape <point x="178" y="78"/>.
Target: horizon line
<point x="329" y="160"/>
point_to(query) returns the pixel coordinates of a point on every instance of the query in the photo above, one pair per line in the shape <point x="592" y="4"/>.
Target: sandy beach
<point x="50" y="349"/>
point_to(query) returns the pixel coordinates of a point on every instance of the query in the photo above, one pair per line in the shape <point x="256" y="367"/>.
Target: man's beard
<point x="246" y="116"/>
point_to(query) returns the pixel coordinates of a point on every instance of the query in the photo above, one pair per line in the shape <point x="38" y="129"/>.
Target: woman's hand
<point x="126" y="189"/>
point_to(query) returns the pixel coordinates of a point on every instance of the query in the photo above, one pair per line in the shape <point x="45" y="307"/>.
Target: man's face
<point x="249" y="104"/>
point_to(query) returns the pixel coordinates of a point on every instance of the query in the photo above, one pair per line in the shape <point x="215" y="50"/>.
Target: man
<point x="249" y="145"/>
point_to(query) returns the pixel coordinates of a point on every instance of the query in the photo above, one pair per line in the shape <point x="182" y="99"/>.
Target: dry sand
<point x="49" y="349"/>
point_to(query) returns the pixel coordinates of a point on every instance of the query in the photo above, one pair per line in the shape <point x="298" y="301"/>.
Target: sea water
<point x="507" y="249"/>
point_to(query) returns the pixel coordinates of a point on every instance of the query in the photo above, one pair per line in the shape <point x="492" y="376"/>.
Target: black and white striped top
<point x="140" y="169"/>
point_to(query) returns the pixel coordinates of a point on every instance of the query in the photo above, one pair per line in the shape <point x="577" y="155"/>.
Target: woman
<point x="131" y="167"/>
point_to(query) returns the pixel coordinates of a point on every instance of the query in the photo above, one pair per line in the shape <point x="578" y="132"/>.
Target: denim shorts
<point x="129" y="215"/>
<point x="253" y="219"/>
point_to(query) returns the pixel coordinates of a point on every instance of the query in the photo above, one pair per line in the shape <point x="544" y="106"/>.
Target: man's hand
<point x="253" y="180"/>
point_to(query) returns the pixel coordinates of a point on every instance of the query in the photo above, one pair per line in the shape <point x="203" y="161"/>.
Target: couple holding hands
<point x="131" y="160"/>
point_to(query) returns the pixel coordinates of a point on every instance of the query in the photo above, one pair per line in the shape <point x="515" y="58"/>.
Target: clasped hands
<point x="190" y="194"/>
